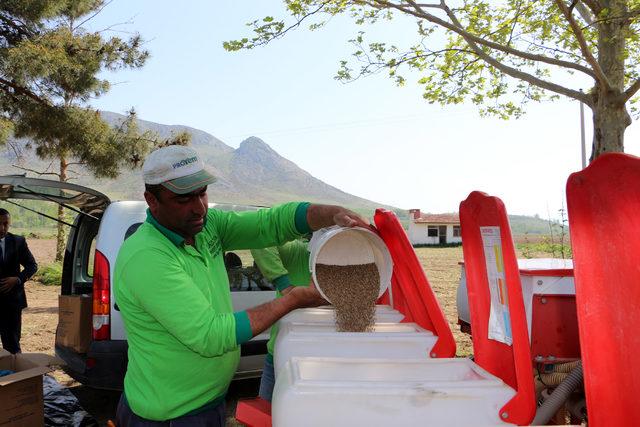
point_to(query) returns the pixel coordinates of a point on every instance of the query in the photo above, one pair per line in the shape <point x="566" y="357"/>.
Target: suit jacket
<point x="16" y="254"/>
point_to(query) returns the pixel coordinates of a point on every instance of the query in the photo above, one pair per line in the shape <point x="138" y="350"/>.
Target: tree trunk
<point x="61" y="238"/>
<point x="610" y="120"/>
<point x="610" y="115"/>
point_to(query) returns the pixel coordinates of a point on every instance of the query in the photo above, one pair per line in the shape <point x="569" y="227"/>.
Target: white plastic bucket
<point x="350" y="246"/>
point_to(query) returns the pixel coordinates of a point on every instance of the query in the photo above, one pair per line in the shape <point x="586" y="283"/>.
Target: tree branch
<point x="585" y="12"/>
<point x="552" y="49"/>
<point x="39" y="173"/>
<point x="107" y="3"/>
<point x="111" y="28"/>
<point x="22" y="91"/>
<point x="48" y="167"/>
<point x="16" y="152"/>
<point x="422" y="5"/>
<point x="458" y="29"/>
<point x="584" y="48"/>
<point x="632" y="90"/>
<point x="22" y="30"/>
<point x="406" y="57"/>
<point x="299" y="21"/>
<point x="593" y="5"/>
<point x="473" y="42"/>
<point x="513" y="26"/>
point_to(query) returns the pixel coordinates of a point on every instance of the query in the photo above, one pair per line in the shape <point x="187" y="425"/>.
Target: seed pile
<point x="353" y="290"/>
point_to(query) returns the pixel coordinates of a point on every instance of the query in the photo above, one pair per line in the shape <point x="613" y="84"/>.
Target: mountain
<point x="253" y="173"/>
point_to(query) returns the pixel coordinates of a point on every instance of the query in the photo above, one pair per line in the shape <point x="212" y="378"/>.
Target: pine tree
<point x="50" y="67"/>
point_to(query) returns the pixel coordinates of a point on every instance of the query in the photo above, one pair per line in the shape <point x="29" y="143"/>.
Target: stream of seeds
<point x="353" y="290"/>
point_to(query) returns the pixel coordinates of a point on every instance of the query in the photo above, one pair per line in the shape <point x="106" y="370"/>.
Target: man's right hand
<point x="265" y="315"/>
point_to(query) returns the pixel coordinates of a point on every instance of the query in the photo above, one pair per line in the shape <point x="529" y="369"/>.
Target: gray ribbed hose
<point x="560" y="395"/>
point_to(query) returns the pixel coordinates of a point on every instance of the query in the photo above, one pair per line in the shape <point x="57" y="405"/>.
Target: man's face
<point x="5" y="222"/>
<point x="181" y="213"/>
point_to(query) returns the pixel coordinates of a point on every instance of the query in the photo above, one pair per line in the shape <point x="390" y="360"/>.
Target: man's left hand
<point x="321" y="216"/>
<point x="7" y="284"/>
<point x="307" y="296"/>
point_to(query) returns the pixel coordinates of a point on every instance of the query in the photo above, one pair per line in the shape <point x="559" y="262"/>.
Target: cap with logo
<point x="177" y="168"/>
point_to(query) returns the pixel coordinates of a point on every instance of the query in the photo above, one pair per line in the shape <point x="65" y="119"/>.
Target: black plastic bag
<point x="61" y="408"/>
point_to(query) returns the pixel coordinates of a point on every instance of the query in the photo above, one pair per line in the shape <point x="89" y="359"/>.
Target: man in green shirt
<point x="285" y="266"/>
<point x="172" y="289"/>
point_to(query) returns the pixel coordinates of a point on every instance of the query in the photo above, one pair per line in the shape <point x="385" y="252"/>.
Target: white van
<point x="95" y="237"/>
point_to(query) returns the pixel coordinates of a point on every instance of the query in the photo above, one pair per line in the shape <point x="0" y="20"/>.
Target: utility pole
<point x="582" y="147"/>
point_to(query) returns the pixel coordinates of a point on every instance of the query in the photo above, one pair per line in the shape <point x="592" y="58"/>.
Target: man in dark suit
<point x="14" y="253"/>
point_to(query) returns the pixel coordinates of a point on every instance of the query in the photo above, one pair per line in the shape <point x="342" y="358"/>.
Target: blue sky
<point x="369" y="138"/>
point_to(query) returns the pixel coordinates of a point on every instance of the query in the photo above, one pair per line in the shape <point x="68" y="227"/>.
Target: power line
<point x="337" y="126"/>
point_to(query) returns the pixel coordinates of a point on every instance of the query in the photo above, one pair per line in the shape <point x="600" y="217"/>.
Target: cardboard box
<point x="21" y="401"/>
<point x="74" y="322"/>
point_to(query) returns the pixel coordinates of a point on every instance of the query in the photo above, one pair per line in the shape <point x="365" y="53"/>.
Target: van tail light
<point x="101" y="298"/>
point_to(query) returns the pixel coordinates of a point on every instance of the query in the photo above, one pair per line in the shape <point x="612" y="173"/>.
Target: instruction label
<point x="499" y="317"/>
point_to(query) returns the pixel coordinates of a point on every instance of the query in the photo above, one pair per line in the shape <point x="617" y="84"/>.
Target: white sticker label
<point x="499" y="318"/>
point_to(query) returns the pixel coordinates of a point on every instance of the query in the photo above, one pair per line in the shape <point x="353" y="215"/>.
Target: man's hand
<point x="265" y="315"/>
<point x="7" y="284"/>
<point x="321" y="216"/>
<point x="347" y="218"/>
<point x="307" y="296"/>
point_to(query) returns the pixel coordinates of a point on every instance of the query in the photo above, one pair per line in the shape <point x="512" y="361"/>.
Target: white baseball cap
<point x="177" y="168"/>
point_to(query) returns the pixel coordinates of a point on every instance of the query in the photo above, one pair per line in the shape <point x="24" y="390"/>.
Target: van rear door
<point x="74" y="197"/>
<point x="86" y="203"/>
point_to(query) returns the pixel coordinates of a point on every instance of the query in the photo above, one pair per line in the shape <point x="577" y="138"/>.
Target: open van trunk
<point x="74" y="197"/>
<point x="87" y="205"/>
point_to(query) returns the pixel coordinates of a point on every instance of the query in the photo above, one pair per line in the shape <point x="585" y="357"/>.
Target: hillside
<point x="253" y="173"/>
<point x="522" y="224"/>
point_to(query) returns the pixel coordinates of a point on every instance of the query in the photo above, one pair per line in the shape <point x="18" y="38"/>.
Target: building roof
<point x="447" y="218"/>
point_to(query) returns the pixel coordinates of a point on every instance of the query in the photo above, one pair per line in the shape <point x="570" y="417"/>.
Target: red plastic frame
<point x="511" y="363"/>
<point x="603" y="204"/>
<point x="254" y="412"/>
<point x="412" y="294"/>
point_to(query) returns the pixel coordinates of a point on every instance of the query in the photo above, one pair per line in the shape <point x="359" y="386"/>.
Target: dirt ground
<point x="40" y="320"/>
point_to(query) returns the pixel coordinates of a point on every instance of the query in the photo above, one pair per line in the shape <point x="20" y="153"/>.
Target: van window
<point x="92" y="252"/>
<point x="132" y="229"/>
<point x="243" y="273"/>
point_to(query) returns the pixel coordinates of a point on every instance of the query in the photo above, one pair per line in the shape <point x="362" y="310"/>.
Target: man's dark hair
<point x="4" y="212"/>
<point x="154" y="189"/>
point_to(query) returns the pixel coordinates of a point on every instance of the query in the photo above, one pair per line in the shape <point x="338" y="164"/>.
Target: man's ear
<point x="152" y="201"/>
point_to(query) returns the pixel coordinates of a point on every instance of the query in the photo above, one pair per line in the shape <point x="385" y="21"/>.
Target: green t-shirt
<point x="176" y="306"/>
<point x="285" y="265"/>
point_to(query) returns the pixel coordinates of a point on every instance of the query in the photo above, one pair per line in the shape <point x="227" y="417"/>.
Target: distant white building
<point x="433" y="229"/>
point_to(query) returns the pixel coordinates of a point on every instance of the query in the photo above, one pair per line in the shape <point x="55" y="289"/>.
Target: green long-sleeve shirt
<point x="285" y="265"/>
<point x="176" y="306"/>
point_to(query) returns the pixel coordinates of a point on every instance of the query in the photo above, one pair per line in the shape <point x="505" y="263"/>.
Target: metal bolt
<point x="539" y="358"/>
<point x="433" y="354"/>
<point x="550" y="357"/>
<point x="505" y="415"/>
<point x="543" y="300"/>
<point x="540" y="282"/>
